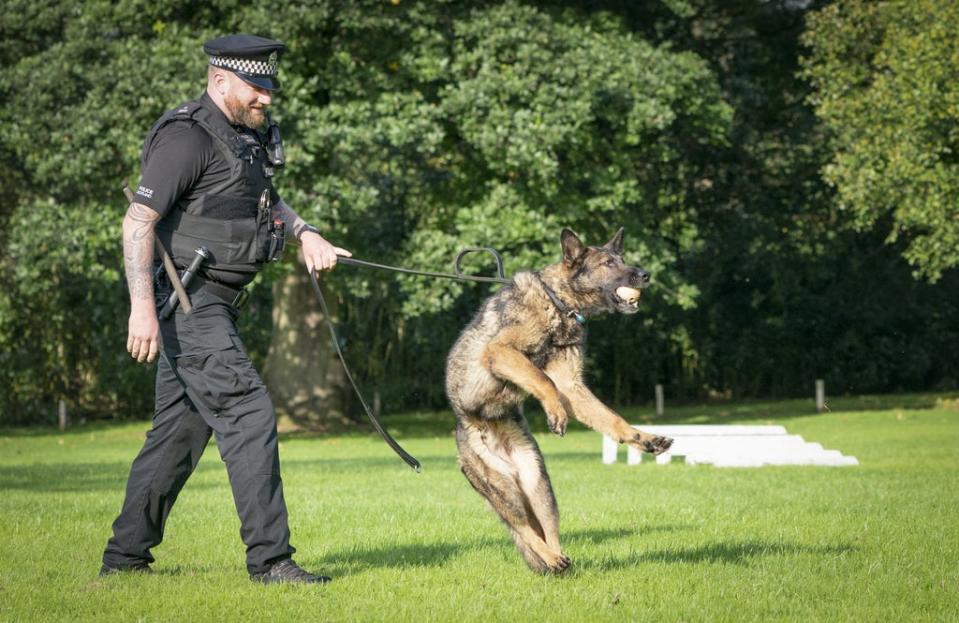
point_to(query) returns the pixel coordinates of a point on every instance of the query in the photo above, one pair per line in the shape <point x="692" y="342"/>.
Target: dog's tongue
<point x="630" y="295"/>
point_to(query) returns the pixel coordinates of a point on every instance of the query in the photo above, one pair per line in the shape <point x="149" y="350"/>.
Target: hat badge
<point x="273" y="56"/>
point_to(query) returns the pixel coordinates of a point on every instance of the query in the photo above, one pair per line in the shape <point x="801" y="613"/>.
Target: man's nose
<point x="265" y="98"/>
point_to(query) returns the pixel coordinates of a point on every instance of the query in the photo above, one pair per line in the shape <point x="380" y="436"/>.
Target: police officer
<point x="206" y="181"/>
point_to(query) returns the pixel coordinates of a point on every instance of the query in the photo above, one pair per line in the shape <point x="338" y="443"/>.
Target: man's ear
<point x="573" y="248"/>
<point x="616" y="244"/>
<point x="221" y="82"/>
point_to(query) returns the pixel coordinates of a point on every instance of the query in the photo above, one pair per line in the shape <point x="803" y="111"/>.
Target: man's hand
<point x="318" y="253"/>
<point x="143" y="336"/>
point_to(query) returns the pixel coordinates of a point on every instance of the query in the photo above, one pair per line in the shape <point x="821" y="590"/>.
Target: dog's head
<point x="598" y="276"/>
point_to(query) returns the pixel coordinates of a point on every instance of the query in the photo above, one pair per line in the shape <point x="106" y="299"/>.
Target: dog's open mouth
<point x="626" y="299"/>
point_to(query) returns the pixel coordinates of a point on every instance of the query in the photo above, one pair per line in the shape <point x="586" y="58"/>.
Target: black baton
<point x="201" y="254"/>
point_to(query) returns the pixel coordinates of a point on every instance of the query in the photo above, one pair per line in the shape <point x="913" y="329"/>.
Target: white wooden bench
<point x="731" y="446"/>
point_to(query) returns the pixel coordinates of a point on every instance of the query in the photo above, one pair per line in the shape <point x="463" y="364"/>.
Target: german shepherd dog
<point x="529" y="339"/>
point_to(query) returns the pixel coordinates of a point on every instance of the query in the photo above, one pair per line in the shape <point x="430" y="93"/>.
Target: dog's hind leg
<point x="494" y="475"/>
<point x="535" y="484"/>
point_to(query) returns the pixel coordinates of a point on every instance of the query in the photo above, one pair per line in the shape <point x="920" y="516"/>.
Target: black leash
<point x="458" y="275"/>
<point x="406" y="456"/>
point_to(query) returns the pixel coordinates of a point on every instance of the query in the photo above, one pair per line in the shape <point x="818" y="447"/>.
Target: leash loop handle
<point x="496" y="256"/>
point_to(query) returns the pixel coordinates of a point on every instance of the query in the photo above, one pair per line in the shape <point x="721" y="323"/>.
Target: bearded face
<point x="247" y="104"/>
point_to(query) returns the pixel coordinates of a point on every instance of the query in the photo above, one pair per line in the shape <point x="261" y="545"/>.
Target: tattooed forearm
<point x="294" y="226"/>
<point x="138" y="251"/>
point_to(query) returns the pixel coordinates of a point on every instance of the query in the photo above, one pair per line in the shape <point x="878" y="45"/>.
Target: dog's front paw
<point x="556" y="424"/>
<point x="654" y="444"/>
<point x="556" y="417"/>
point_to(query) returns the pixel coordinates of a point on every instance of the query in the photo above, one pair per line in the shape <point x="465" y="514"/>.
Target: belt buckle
<point x="241" y="297"/>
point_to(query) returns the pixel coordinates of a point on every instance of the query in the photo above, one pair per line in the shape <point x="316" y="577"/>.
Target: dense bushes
<point x="417" y="128"/>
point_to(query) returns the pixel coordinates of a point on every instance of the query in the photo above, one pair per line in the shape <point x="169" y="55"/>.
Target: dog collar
<point x="563" y="309"/>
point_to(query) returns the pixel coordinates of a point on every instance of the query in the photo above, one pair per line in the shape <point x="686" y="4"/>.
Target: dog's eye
<point x="609" y="262"/>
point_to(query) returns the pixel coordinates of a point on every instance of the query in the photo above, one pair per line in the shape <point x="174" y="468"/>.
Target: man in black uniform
<point x="206" y="181"/>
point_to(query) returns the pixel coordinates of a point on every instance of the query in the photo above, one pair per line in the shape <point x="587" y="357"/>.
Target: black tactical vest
<point x="228" y="219"/>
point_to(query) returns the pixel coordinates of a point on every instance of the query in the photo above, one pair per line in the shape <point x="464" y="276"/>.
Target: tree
<point x="788" y="294"/>
<point x="412" y="129"/>
<point x="495" y="125"/>
<point x="416" y="128"/>
<point x="887" y="87"/>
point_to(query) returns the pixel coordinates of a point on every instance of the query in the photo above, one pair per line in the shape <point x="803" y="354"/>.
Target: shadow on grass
<point x="357" y="560"/>
<point x="599" y="535"/>
<point x="76" y="477"/>
<point x="731" y="553"/>
<point x="352" y="561"/>
<point x="112" y="476"/>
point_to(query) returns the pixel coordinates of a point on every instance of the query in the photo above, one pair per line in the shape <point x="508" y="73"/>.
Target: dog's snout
<point x="640" y="277"/>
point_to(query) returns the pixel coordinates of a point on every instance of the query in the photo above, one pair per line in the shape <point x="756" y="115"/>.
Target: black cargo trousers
<point x="205" y="385"/>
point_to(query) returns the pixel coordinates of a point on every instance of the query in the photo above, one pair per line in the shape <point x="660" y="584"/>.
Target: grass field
<point x="661" y="543"/>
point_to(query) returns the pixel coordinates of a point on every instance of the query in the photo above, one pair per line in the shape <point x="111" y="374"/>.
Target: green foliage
<point x="498" y="128"/>
<point x="74" y="116"/>
<point x="788" y="294"/>
<point x="61" y="336"/>
<point x="491" y="126"/>
<point x="416" y="128"/>
<point x="885" y="78"/>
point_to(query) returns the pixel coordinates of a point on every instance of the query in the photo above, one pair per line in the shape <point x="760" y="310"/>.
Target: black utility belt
<point x="229" y="295"/>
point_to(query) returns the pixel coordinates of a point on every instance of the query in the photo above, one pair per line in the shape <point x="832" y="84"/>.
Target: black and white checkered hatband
<point x="246" y="65"/>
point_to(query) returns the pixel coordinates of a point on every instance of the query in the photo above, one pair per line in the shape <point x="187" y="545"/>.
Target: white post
<point x="610" y="449"/>
<point x="659" y="400"/>
<point x="62" y="414"/>
<point x="820" y="395"/>
<point x="377" y="403"/>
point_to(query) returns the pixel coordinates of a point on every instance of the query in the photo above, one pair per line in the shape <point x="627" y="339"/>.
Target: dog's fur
<point x="520" y="344"/>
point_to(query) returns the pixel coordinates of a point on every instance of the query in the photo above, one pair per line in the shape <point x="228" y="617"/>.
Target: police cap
<point x="252" y="58"/>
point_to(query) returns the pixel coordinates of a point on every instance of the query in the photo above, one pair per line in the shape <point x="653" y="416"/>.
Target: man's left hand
<point x="318" y="253"/>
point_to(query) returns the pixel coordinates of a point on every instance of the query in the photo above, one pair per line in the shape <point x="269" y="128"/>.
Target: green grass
<point x="694" y="543"/>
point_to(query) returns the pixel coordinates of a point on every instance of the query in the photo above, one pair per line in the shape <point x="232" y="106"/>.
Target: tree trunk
<point x="301" y="370"/>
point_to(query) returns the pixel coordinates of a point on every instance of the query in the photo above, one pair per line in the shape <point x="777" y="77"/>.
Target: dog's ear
<point x="573" y="248"/>
<point x="616" y="244"/>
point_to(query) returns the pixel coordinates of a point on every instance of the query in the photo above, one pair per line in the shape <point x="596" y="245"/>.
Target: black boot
<point x="288" y="571"/>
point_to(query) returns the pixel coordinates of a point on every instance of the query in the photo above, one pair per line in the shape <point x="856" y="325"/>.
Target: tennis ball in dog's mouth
<point x="630" y="295"/>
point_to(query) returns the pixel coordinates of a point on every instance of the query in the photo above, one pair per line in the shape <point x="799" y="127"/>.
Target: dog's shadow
<point x="595" y="536"/>
<point x="357" y="560"/>
<point x="438" y="554"/>
<point x="731" y="552"/>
